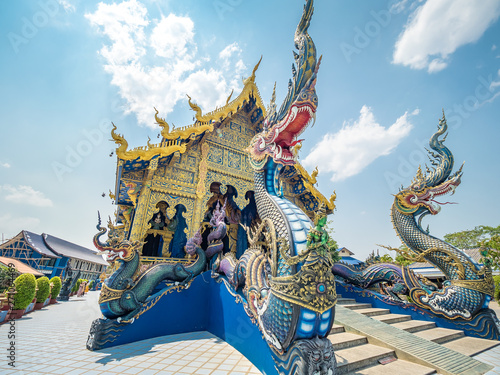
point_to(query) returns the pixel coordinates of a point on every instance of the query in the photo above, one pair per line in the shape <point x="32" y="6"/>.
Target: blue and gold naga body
<point x="286" y="279"/>
<point x="468" y="288"/>
<point x="465" y="294"/>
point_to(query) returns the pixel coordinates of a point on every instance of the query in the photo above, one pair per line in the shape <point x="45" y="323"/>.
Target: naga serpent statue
<point x="468" y="289"/>
<point x="287" y="283"/>
<point x="126" y="290"/>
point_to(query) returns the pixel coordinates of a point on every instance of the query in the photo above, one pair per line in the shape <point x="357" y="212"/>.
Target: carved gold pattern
<point x="486" y="285"/>
<point x="309" y="182"/>
<point x="200" y="189"/>
<point x="108" y="294"/>
<point x="137" y="232"/>
<point x="313" y="287"/>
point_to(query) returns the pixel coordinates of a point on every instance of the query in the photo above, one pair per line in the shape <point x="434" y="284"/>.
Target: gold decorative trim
<point x="108" y="294"/>
<point x="200" y="189"/>
<point x="228" y="172"/>
<point x="145" y="153"/>
<point x="310" y="181"/>
<point x="249" y="90"/>
<point x="313" y="287"/>
<point x="189" y="131"/>
<point x="483" y="286"/>
<point x="179" y="193"/>
<point x="206" y="122"/>
<point x="158" y="180"/>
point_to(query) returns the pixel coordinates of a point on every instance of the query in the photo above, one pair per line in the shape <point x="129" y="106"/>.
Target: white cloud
<point x="173" y="36"/>
<point x="227" y="52"/>
<point x="68" y="7"/>
<point x="347" y="152"/>
<point x="438" y="27"/>
<point x="26" y="195"/>
<point x="156" y="63"/>
<point x="124" y="25"/>
<point x="13" y="225"/>
<point x="495" y="84"/>
<point x="398" y="6"/>
<point x="5" y="165"/>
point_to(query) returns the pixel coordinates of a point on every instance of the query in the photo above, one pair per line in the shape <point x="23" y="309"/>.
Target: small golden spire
<point x="163" y="124"/>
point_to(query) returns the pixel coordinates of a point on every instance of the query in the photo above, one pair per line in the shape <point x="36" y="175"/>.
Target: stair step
<point x="346" y="340"/>
<point x="414" y="325"/>
<point x="471" y="345"/>
<point x="430" y="353"/>
<point x="352" y="359"/>
<point x="392" y="318"/>
<point x="337" y="328"/>
<point x="345" y="301"/>
<point x="398" y="367"/>
<point x="373" y="311"/>
<point x="440" y="335"/>
<point x="358" y="306"/>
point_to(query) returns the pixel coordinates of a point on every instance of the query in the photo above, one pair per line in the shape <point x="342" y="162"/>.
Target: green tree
<point x="496" y="280"/>
<point x="25" y="291"/>
<point x="386" y="258"/>
<point x="481" y="235"/>
<point x="469" y="239"/>
<point x="400" y="259"/>
<point x="7" y="276"/>
<point x="43" y="291"/>
<point x="56" y="288"/>
<point x="332" y="244"/>
<point x="493" y="245"/>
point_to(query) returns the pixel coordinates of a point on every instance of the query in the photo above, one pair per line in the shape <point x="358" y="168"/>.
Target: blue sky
<point x="69" y="68"/>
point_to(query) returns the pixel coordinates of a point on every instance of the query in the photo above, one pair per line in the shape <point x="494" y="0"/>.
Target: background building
<point x="51" y="255"/>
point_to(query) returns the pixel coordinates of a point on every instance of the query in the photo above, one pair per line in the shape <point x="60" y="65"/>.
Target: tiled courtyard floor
<point x="52" y="341"/>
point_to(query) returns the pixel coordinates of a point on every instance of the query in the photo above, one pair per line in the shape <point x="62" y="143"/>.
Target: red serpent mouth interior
<point x="289" y="130"/>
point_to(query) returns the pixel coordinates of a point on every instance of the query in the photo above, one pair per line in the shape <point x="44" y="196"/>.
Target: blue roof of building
<point x="350" y="260"/>
<point x="36" y="242"/>
<point x="71" y="250"/>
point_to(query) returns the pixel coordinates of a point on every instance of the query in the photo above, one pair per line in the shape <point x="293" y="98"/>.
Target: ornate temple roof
<point x="176" y="139"/>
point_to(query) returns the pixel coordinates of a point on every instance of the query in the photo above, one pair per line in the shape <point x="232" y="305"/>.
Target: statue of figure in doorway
<point x="178" y="225"/>
<point x="154" y="240"/>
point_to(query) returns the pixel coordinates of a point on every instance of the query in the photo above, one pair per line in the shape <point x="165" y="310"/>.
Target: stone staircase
<point x="359" y="353"/>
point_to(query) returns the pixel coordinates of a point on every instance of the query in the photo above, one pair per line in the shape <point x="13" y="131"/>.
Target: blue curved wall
<point x="205" y="306"/>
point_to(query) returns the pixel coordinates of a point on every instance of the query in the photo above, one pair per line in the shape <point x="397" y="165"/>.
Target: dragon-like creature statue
<point x="468" y="289"/>
<point x="127" y="289"/>
<point x="469" y="286"/>
<point x="287" y="283"/>
<point x="388" y="277"/>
